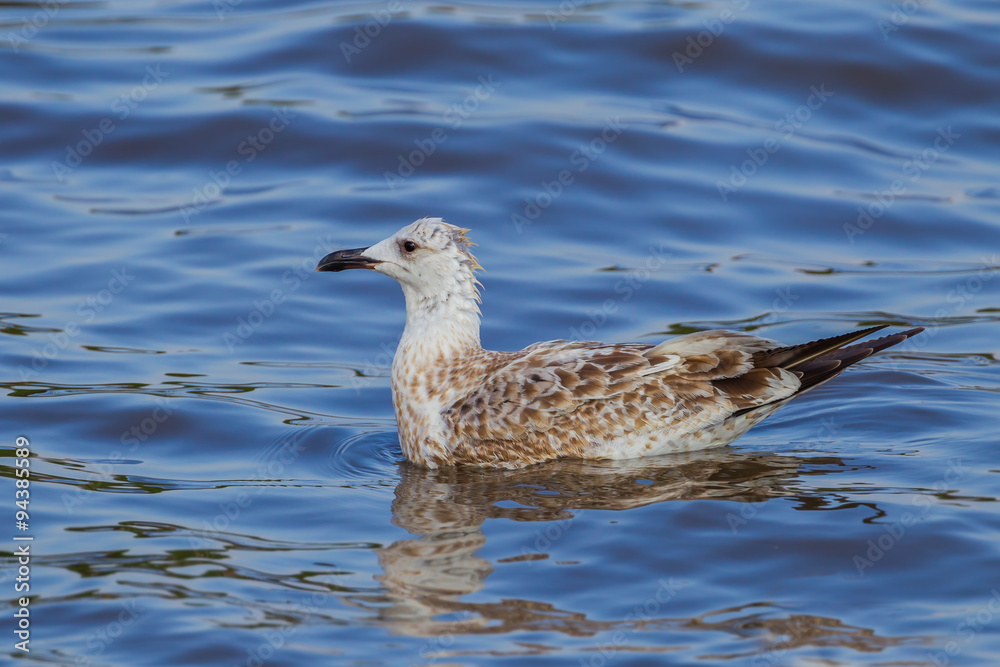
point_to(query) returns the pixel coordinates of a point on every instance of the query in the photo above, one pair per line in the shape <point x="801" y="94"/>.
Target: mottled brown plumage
<point x="457" y="403"/>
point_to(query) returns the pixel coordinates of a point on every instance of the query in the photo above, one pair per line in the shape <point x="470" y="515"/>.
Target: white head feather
<point x="433" y="263"/>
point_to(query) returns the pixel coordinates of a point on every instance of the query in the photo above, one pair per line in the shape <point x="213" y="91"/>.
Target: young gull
<point x="457" y="403"/>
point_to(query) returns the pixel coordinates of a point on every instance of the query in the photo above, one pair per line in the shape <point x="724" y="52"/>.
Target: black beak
<point x="346" y="259"/>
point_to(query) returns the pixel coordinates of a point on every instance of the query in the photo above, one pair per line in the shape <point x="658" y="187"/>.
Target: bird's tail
<point x="822" y="360"/>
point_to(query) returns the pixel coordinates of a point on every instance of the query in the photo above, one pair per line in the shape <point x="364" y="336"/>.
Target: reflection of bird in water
<point x="553" y="491"/>
<point x="426" y="578"/>
<point x="457" y="403"/>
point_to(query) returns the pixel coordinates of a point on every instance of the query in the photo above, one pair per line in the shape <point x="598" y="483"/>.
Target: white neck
<point x="440" y="334"/>
<point x="441" y="337"/>
<point x="441" y="325"/>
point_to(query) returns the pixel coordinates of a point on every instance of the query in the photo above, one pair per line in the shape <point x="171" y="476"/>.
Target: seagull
<point x="458" y="404"/>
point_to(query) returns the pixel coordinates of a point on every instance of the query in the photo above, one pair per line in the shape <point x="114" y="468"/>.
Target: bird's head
<point x="430" y="258"/>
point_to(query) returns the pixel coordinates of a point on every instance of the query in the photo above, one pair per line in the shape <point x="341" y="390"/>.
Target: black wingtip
<point x="818" y="361"/>
<point x="817" y="371"/>
<point x="794" y="356"/>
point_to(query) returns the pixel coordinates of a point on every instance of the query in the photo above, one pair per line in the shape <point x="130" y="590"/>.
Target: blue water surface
<point x="216" y="477"/>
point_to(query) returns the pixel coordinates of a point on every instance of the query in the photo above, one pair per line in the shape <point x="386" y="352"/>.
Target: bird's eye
<point x="409" y="246"/>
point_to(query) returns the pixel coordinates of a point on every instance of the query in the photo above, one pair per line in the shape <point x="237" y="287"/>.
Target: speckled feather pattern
<point x="457" y="403"/>
<point x="583" y="400"/>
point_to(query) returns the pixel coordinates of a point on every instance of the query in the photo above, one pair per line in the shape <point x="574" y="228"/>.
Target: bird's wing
<point x="562" y="398"/>
<point x="559" y="387"/>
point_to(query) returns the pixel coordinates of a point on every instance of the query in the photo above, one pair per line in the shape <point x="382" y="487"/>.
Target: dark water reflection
<point x="425" y="578"/>
<point x="427" y="583"/>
